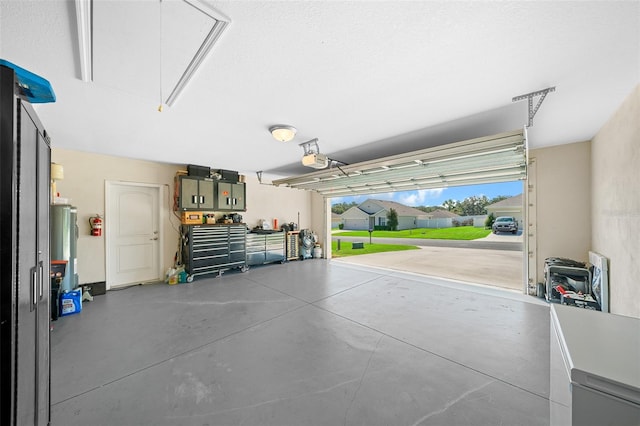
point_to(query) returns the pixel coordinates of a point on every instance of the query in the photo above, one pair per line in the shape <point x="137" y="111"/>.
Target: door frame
<point x="108" y="196"/>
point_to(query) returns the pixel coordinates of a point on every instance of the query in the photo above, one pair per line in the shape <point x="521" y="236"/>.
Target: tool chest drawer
<point x="265" y="248"/>
<point x="213" y="249"/>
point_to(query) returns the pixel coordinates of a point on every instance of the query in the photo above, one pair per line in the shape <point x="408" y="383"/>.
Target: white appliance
<point x="594" y="368"/>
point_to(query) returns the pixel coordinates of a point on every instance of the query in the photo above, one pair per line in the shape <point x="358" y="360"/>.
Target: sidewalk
<point x="503" y="237"/>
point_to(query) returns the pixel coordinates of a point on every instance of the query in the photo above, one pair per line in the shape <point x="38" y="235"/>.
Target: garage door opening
<point x="450" y="226"/>
<point x="495" y="159"/>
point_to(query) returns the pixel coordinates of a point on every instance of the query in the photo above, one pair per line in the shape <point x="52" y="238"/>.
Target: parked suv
<point x="505" y="224"/>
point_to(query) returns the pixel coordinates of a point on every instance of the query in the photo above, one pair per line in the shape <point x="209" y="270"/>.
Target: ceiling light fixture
<point x="282" y="133"/>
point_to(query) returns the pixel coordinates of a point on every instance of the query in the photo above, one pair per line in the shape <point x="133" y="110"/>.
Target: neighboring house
<point x="438" y="219"/>
<point x="354" y="218"/>
<point x="442" y="214"/>
<point x="358" y="217"/>
<point x="336" y="220"/>
<point x="511" y="206"/>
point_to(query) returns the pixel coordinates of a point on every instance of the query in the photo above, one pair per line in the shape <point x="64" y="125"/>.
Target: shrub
<point x="488" y="222"/>
<point x="466" y="222"/>
<point x="392" y="219"/>
<point x="341" y="226"/>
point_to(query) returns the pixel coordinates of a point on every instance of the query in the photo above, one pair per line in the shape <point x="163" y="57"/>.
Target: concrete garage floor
<point x="310" y="342"/>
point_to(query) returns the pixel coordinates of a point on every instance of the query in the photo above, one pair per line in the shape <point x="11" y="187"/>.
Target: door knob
<point x="153" y="239"/>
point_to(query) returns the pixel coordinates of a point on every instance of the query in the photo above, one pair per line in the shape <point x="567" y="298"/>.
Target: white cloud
<point x="387" y="196"/>
<point x="420" y="197"/>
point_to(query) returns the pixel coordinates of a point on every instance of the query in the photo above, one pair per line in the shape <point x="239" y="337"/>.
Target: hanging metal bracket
<point x="532" y="111"/>
<point x="310" y="147"/>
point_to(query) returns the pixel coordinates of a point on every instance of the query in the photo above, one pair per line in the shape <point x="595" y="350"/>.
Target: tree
<point x="449" y="204"/>
<point x="340" y="208"/>
<point x="452" y="206"/>
<point x="474" y="205"/>
<point x="392" y="219"/>
<point x="429" y="209"/>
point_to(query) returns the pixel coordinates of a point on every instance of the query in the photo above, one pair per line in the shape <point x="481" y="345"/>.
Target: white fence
<point x="478" y="221"/>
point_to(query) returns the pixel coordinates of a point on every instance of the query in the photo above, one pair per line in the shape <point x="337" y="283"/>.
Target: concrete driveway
<point x="475" y="263"/>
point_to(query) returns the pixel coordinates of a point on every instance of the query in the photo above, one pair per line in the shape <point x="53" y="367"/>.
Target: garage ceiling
<point x="369" y="79"/>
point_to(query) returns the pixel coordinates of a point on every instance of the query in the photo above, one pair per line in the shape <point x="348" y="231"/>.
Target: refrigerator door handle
<point x="41" y="280"/>
<point x="34" y="288"/>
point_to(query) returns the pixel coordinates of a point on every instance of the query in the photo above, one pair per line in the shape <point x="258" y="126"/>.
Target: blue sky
<point x="435" y="197"/>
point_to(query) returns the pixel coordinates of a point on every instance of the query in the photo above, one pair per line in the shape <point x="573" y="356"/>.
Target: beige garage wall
<point x="563" y="193"/>
<point x="268" y="202"/>
<point x="615" y="196"/>
<point x="321" y="223"/>
<point x="84" y="184"/>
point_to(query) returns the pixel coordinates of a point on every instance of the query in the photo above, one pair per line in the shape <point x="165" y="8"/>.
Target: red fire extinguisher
<point x="95" y="222"/>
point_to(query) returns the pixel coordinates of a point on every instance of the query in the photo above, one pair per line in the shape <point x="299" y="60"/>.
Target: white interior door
<point x="132" y="230"/>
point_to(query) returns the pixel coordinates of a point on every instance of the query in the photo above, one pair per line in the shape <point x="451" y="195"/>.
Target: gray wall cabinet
<point x="196" y="193"/>
<point x="230" y="196"/>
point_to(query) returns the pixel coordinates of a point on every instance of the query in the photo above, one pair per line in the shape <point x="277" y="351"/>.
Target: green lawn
<point x="346" y="250"/>
<point x="457" y="233"/>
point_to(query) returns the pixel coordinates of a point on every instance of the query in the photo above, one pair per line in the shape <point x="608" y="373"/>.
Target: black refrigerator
<point x="25" y="158"/>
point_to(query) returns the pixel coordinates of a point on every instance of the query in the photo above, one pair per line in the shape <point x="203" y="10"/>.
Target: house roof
<point x="511" y="202"/>
<point x="354" y="213"/>
<point x="401" y="209"/>
<point x="440" y="214"/>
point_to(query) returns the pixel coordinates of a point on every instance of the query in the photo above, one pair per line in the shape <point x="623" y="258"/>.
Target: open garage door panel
<point x="490" y="159"/>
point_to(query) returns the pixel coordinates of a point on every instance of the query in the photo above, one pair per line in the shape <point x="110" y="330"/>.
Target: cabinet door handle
<point x="228" y="201"/>
<point x="194" y="199"/>
<point x="202" y="199"/>
<point x="235" y="201"/>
